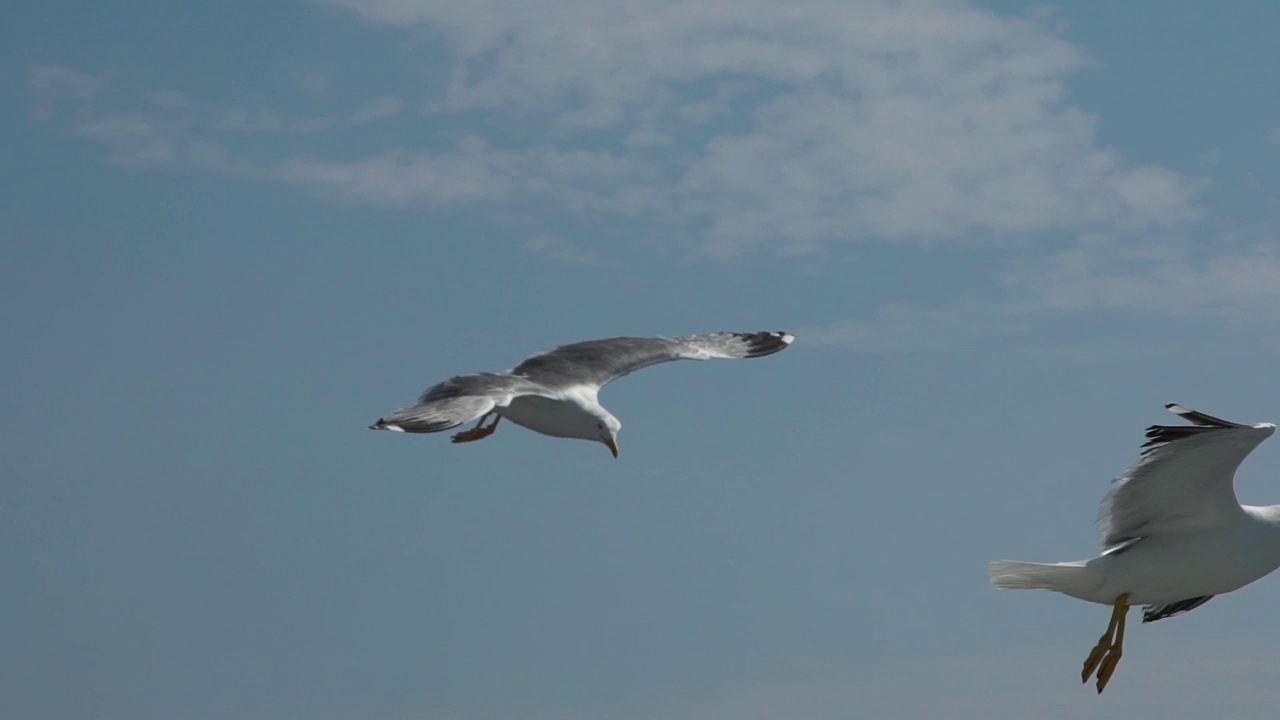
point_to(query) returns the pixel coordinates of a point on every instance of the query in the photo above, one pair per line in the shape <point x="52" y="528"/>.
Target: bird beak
<point x="612" y="445"/>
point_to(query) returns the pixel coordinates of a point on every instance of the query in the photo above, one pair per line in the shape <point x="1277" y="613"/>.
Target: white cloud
<point x="902" y="327"/>
<point x="131" y="139"/>
<point x="380" y="108"/>
<point x="806" y="123"/>
<point x="1242" y="283"/>
<point x="1229" y="280"/>
<point x="241" y="120"/>
<point x="399" y="178"/>
<point x="170" y="100"/>
<point x="561" y="250"/>
<point x="580" y="181"/>
<point x="746" y="125"/>
<point x="316" y="83"/>
<point x="53" y="85"/>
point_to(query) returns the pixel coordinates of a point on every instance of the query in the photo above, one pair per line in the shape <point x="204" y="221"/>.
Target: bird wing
<point x="595" y="363"/>
<point x="459" y="399"/>
<point x="1152" y="613"/>
<point x="1183" y="481"/>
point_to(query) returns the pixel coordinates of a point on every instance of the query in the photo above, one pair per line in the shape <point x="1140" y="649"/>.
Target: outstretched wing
<point x="598" y="362"/>
<point x="455" y="401"/>
<point x="1183" y="481"/>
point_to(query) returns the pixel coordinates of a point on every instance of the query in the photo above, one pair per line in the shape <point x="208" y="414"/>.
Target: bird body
<point x="573" y="414"/>
<point x="1163" y="569"/>
<point x="1173" y="533"/>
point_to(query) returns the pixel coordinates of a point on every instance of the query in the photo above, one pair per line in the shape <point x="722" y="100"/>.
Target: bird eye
<point x="600" y="426"/>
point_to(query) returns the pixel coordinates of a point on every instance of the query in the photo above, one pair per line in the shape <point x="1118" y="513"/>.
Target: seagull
<point x="554" y="392"/>
<point x="1173" y="533"/>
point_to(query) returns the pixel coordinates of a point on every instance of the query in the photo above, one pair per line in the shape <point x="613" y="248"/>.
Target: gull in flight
<point x="1173" y="533"/>
<point x="554" y="392"/>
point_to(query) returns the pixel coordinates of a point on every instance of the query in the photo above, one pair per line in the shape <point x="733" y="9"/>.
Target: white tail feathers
<point x="1017" y="575"/>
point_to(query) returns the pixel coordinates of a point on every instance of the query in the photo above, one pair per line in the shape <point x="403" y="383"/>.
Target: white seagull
<point x="1173" y="533"/>
<point x="554" y="392"/>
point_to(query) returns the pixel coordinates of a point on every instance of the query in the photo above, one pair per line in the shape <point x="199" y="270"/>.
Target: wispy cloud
<point x="1234" y="280"/>
<point x="907" y="327"/>
<point x="743" y="126"/>
<point x="170" y="128"/>
<point x="53" y="85"/>
<point x="169" y="100"/>
<point x="131" y="138"/>
<point x="399" y="178"/>
<point x="316" y="83"/>
<point x="240" y="120"/>
<point x="1103" y="273"/>
<point x="561" y="250"/>
<point x="580" y="182"/>
<point x="809" y="123"/>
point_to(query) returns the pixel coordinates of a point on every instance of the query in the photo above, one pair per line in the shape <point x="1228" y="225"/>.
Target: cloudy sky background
<point x="1004" y="233"/>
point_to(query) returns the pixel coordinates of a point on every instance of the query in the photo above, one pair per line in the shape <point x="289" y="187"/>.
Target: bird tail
<point x="1017" y="575"/>
<point x="416" y="419"/>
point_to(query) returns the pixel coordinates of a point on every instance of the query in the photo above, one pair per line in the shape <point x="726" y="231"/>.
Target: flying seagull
<point x="554" y="392"/>
<point x="1173" y="533"/>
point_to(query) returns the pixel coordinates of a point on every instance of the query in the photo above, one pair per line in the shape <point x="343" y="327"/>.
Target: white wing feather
<point x="1181" y="484"/>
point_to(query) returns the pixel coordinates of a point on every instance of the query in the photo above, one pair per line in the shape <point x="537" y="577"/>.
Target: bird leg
<point x="477" y="432"/>
<point x="1112" y="659"/>
<point x="1106" y="654"/>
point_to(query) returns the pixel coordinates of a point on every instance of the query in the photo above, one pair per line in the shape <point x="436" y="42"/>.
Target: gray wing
<point x="597" y="362"/>
<point x="1183" y="481"/>
<point x="457" y="400"/>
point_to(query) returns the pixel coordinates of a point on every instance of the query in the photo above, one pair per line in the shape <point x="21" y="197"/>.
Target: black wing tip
<point x="766" y="342"/>
<point x="1158" y="435"/>
<point x="1152" y="613"/>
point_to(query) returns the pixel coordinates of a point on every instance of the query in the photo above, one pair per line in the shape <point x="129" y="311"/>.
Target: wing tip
<point x="1152" y="613"/>
<point x="766" y="342"/>
<point x="1160" y="435"/>
<point x="382" y="424"/>
<point x="1198" y="418"/>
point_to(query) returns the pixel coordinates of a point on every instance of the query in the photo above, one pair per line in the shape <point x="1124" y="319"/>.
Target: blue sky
<point x="1004" y="234"/>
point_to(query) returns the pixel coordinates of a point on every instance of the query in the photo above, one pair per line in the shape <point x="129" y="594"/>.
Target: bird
<point x="1173" y="534"/>
<point x="555" y="392"/>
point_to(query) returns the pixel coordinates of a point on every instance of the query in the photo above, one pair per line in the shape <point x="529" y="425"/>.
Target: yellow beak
<point x="613" y="446"/>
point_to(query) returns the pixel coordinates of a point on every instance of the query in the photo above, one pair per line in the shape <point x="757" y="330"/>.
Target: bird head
<point x="607" y="429"/>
